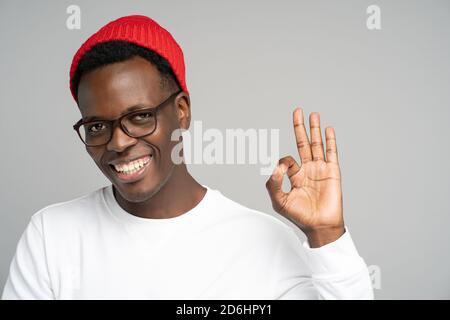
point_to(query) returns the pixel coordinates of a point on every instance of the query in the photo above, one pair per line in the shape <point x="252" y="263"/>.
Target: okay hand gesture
<point x="314" y="202"/>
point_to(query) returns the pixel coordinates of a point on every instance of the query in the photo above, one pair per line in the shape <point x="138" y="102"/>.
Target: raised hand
<point x="314" y="202"/>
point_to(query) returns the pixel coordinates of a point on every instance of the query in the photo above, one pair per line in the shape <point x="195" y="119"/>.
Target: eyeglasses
<point x="136" y="124"/>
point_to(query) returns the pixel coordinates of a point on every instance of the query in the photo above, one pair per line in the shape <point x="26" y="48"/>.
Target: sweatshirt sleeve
<point x="334" y="271"/>
<point x="28" y="274"/>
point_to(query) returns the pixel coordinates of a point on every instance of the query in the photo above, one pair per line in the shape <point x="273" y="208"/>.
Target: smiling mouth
<point x="132" y="170"/>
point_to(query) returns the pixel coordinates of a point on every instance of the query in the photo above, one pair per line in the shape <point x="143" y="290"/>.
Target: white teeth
<point x="131" y="167"/>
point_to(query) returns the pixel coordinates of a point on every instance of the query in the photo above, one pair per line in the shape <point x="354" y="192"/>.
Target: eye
<point x="143" y="116"/>
<point x="96" y="128"/>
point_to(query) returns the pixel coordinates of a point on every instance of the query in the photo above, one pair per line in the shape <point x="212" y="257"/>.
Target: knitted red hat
<point x="140" y="30"/>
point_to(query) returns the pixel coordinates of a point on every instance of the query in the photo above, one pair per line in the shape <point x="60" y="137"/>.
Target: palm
<point x="315" y="197"/>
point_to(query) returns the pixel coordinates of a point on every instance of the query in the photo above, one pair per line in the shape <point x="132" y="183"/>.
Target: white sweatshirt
<point x="91" y="248"/>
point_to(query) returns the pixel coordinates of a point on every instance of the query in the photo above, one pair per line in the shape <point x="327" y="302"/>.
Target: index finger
<point x="301" y="137"/>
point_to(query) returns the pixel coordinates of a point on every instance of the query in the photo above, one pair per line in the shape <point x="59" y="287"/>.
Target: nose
<point x="120" y="140"/>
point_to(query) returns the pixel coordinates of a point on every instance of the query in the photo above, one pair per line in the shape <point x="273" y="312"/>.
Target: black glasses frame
<point x="118" y="121"/>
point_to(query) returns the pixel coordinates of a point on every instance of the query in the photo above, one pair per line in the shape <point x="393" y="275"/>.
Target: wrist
<point x="323" y="236"/>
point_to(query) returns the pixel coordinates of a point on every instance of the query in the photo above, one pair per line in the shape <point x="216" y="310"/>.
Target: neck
<point x="178" y="195"/>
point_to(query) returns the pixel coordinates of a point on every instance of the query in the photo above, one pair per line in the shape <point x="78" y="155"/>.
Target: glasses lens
<point x="95" y="133"/>
<point x="136" y="124"/>
<point x="140" y="124"/>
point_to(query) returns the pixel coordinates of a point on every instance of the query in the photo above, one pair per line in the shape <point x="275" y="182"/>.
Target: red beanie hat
<point x="140" y="30"/>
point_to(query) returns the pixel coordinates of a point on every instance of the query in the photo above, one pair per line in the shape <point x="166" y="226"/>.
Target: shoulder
<point x="68" y="213"/>
<point x="252" y="220"/>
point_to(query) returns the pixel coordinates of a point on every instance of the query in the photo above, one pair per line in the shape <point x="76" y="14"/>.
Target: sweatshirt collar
<point x="117" y="211"/>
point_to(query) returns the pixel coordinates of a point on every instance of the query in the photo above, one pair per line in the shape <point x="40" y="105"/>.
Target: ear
<point x="183" y="109"/>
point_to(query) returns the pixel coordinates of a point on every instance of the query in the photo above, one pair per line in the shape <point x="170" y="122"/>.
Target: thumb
<point x="274" y="184"/>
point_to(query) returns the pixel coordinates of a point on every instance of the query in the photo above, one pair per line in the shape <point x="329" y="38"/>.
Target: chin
<point x="138" y="194"/>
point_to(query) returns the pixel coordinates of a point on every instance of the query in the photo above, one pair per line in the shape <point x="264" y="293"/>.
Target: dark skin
<point x="167" y="190"/>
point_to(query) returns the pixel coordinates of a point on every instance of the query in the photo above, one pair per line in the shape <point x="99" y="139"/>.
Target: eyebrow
<point x="130" y="109"/>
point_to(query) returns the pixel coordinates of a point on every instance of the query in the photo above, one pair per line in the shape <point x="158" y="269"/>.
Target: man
<point x="155" y="232"/>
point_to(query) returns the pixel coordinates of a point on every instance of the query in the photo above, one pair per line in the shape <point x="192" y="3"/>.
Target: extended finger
<point x="316" y="137"/>
<point x="301" y="137"/>
<point x="330" y="138"/>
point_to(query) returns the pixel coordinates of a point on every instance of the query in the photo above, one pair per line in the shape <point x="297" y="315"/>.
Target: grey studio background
<point x="248" y="65"/>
